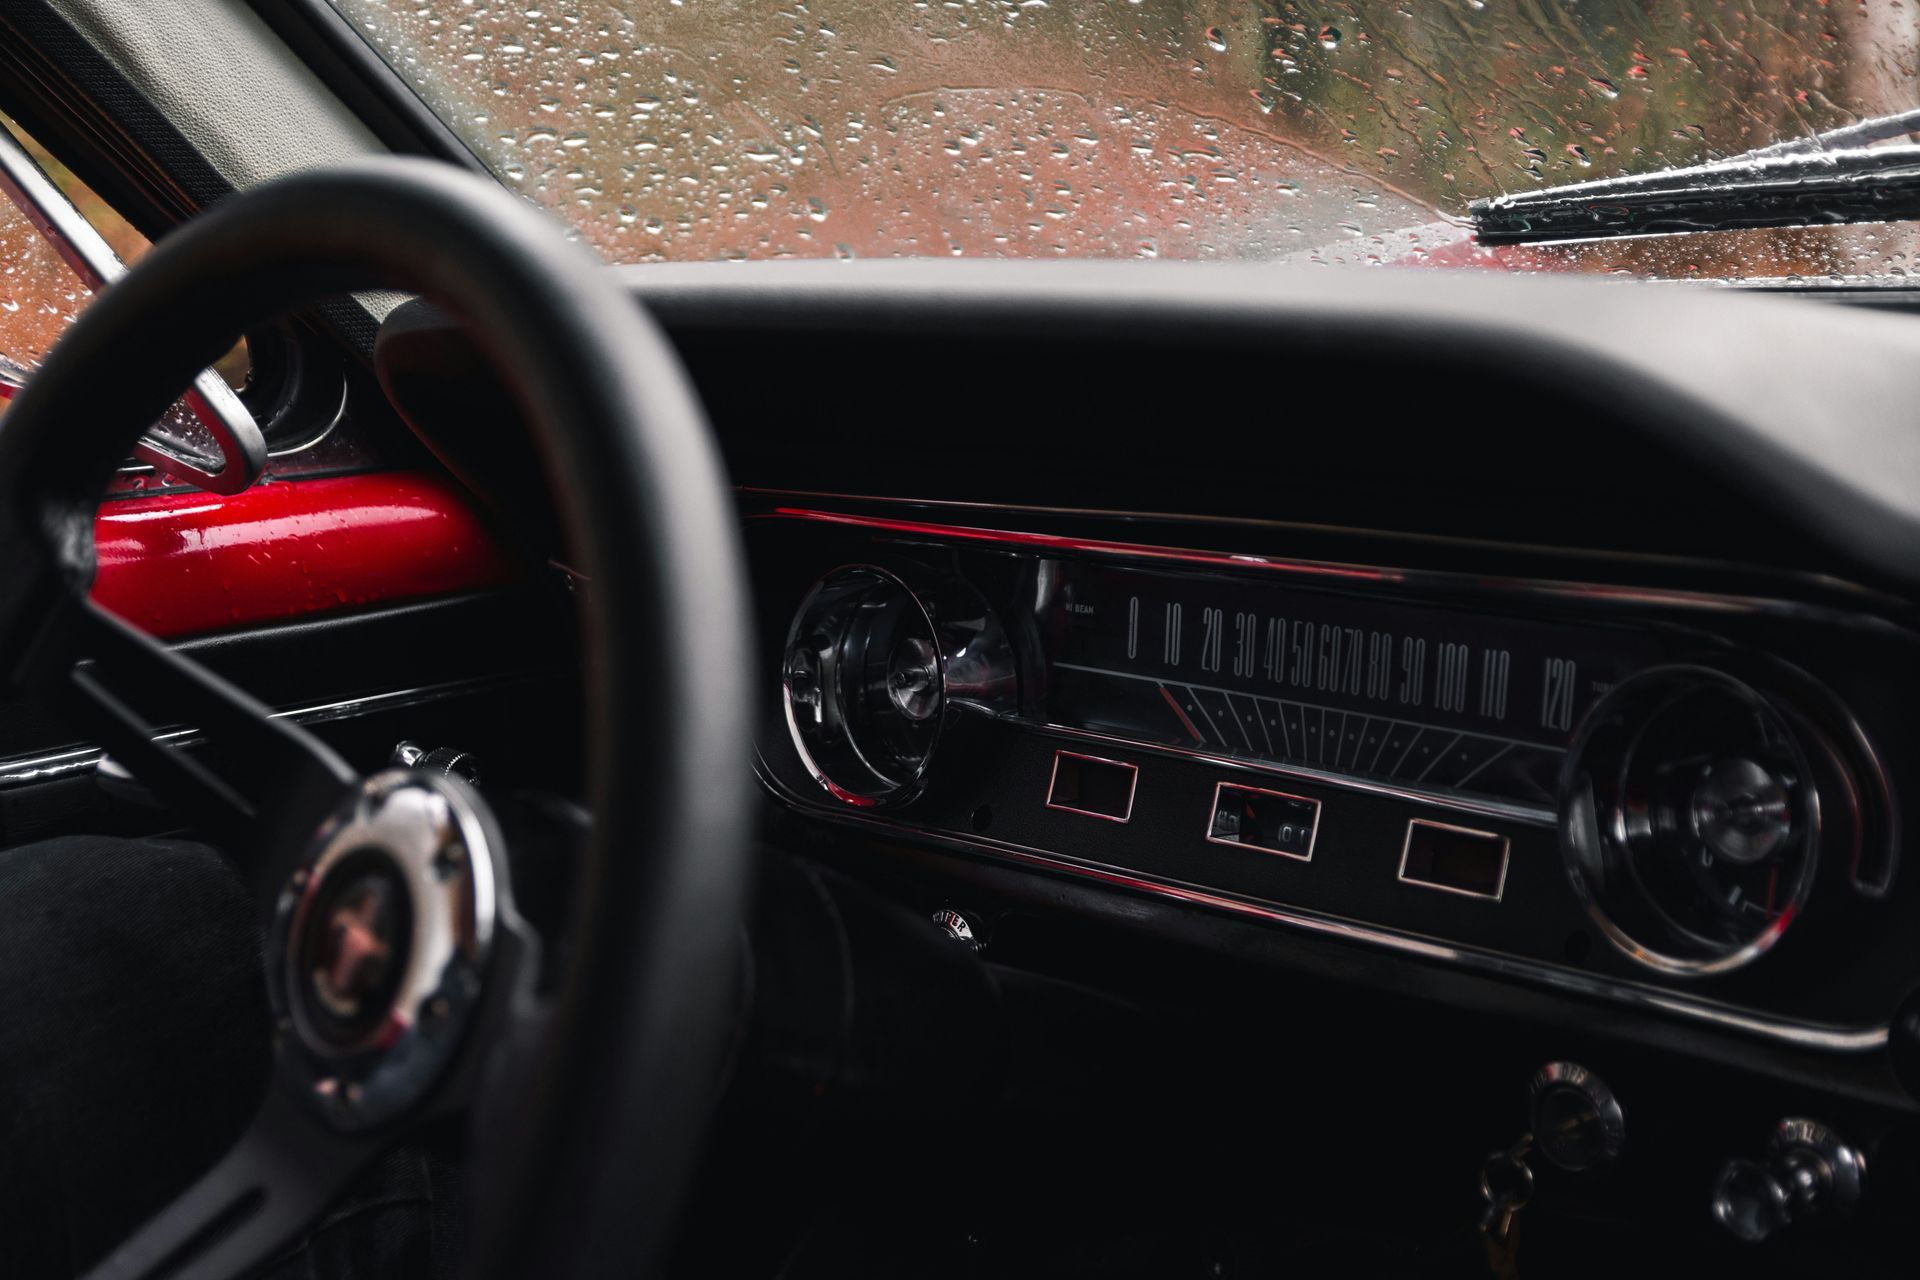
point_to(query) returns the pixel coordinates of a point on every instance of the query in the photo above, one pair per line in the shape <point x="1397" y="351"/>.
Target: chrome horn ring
<point x="381" y="940"/>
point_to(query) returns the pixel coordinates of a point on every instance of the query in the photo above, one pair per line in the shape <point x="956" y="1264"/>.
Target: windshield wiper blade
<point x="1828" y="178"/>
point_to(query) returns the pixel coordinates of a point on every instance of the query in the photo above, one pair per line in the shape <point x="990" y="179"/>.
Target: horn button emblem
<point x="355" y="944"/>
<point x="382" y="938"/>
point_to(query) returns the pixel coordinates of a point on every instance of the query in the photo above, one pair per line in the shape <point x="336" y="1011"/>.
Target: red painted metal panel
<point x="183" y="564"/>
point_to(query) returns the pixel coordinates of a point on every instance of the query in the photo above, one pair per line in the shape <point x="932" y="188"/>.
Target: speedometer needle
<point x="1172" y="702"/>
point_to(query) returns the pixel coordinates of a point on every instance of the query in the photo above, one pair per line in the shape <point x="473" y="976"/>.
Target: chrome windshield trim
<point x="1804" y="1035"/>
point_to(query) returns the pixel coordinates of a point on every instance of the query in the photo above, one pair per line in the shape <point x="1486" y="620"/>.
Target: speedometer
<point x="1425" y="698"/>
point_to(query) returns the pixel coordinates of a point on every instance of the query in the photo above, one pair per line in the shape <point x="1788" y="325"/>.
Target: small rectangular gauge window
<point x="1093" y="786"/>
<point x="1454" y="859"/>
<point x="1270" y="821"/>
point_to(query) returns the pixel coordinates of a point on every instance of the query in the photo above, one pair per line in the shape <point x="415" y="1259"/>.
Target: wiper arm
<point x="1878" y="129"/>
<point x="1827" y="178"/>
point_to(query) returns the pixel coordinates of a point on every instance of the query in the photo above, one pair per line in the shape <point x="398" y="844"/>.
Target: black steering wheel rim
<point x="614" y="1118"/>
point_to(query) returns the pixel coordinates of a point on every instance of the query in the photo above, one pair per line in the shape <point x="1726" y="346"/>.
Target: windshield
<point x="1342" y="132"/>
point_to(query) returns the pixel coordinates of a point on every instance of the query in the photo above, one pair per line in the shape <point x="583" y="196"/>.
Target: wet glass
<point x="39" y="294"/>
<point x="1352" y="131"/>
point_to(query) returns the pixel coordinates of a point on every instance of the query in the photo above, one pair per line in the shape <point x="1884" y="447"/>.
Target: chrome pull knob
<point x="1749" y="1201"/>
<point x="1810" y="1172"/>
<point x="447" y="762"/>
<point x="957" y="927"/>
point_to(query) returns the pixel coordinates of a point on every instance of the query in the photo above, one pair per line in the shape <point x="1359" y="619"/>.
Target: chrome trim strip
<point x="1540" y="588"/>
<point x="1819" y="581"/>
<point x="1313" y="831"/>
<point x="1506" y="857"/>
<point x="1804" y="1035"/>
<point x="1133" y="785"/>
<point x="28" y="770"/>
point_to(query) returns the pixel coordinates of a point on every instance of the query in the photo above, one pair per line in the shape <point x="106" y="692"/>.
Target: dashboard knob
<point x="1810" y="1172"/>
<point x="1742" y="812"/>
<point x="958" y="928"/>
<point x="1749" y="1201"/>
<point x="1577" y="1122"/>
<point x="448" y="762"/>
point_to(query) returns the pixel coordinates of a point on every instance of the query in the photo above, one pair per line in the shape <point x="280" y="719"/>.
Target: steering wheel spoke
<point x="399" y="974"/>
<point x="217" y="756"/>
<point x="273" y="1183"/>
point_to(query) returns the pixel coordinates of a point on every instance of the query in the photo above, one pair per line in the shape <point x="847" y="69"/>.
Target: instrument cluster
<point x="1662" y="796"/>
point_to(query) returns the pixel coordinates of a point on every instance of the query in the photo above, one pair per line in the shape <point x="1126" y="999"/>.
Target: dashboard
<point x="1533" y="659"/>
<point x="1536" y="650"/>
<point x="1527" y="667"/>
<point x="1671" y="799"/>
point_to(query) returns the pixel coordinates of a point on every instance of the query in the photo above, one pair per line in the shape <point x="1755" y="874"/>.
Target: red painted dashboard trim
<point x="184" y="564"/>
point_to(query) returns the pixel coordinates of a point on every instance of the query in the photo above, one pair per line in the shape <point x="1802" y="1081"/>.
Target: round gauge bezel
<point x="884" y="792"/>
<point x="1608" y="829"/>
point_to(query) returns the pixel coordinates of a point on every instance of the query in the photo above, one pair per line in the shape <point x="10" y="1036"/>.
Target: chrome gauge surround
<point x="875" y="669"/>
<point x="1686" y="791"/>
<point x="382" y="940"/>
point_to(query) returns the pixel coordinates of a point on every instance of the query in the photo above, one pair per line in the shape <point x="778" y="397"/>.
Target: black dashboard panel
<point x="1439" y="406"/>
<point x="1564" y="412"/>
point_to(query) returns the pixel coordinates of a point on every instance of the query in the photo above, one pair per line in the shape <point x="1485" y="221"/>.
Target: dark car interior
<point x="944" y="769"/>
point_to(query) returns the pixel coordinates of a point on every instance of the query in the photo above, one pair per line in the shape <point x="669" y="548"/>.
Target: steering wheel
<point x="400" y="974"/>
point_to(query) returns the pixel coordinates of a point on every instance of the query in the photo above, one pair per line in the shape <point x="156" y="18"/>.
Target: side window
<point x="59" y="242"/>
<point x="39" y="294"/>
